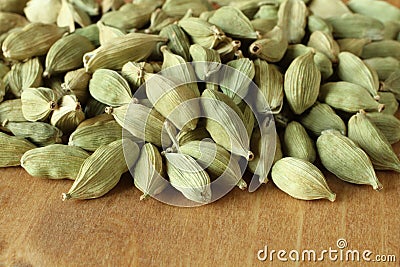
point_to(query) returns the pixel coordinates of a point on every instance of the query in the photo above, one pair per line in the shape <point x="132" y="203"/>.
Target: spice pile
<point x="327" y="72"/>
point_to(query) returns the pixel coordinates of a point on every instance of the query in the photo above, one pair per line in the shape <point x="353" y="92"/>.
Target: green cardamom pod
<point x="302" y="82"/>
<point x="137" y="73"/>
<point x="263" y="26"/>
<point x="322" y="117"/>
<point x="292" y="18"/>
<point x="392" y="84"/>
<point x="324" y="43"/>
<point x="390" y="102"/>
<point x="149" y="171"/>
<point x="68" y="115"/>
<point x="249" y="119"/>
<point x="353" y="45"/>
<point x="385" y="48"/>
<point x="268" y="11"/>
<point x="316" y="23"/>
<point x="301" y="179"/>
<point x="159" y="20"/>
<point x="94" y="108"/>
<point x="13" y="148"/>
<point x="272" y="46"/>
<point x="178" y="8"/>
<point x="38" y="103"/>
<point x="342" y="157"/>
<point x="388" y="124"/>
<point x="384" y="66"/>
<point x="188" y="177"/>
<point x="178" y="42"/>
<point x="328" y="8"/>
<point x="9" y="21"/>
<point x="77" y="83"/>
<point x="380" y="10"/>
<point x="66" y="54"/>
<point x="25" y="75"/>
<point x="101" y="171"/>
<point x="11" y="110"/>
<point x="91" y="32"/>
<point x="364" y="133"/>
<point x="297" y="143"/>
<point x="54" y="161"/>
<point x="197" y="134"/>
<point x="348" y="97"/>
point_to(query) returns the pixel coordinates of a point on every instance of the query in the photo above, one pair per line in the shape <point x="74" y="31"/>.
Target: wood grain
<point x="38" y="229"/>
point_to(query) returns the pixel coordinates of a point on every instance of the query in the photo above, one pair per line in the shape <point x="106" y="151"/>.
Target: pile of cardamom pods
<point x="329" y="72"/>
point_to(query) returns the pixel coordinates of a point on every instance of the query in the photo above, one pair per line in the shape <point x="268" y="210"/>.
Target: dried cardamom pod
<point x="137" y="73"/>
<point x="14" y="6"/>
<point x="301" y="179"/>
<point x="44" y="11"/>
<point x="217" y="161"/>
<point x="209" y="64"/>
<point x="356" y="26"/>
<point x="292" y="18"/>
<point x="91" y="7"/>
<point x="70" y="14"/>
<point x="54" y="161"/>
<point x="268" y="11"/>
<point x="272" y="46"/>
<point x="149" y="171"/>
<point x="353" y="45"/>
<point x="111" y="4"/>
<point x="297" y="143"/>
<point x="68" y="115"/>
<point x="129" y="16"/>
<point x="248" y="8"/>
<point x="143" y="123"/>
<point x="348" y="97"/>
<point x="316" y="23"/>
<point x="114" y="54"/>
<point x="91" y="137"/>
<point x="179" y="104"/>
<point x="263" y="26"/>
<point x="202" y="32"/>
<point x="380" y="10"/>
<point x="108" y="33"/>
<point x="249" y="119"/>
<point x="178" y="8"/>
<point x="385" y="48"/>
<point x="188" y="177"/>
<point x="38" y="103"/>
<point x="103" y="118"/>
<point x="390" y="102"/>
<point x="10" y="21"/>
<point x="302" y="81"/>
<point x="264" y="146"/>
<point x="228" y="49"/>
<point x="226" y="127"/>
<point x="25" y="75"/>
<point x="39" y="133"/>
<point x="197" y="134"/>
<point x="77" y="82"/>
<point x="11" y="110"/>
<point x="235" y="82"/>
<point x="66" y="54"/>
<point x="13" y="148"/>
<point x="178" y="41"/>
<point x="388" y="124"/>
<point x="270" y="83"/>
<point x="342" y="157"/>
<point x="364" y="133"/>
<point x="94" y="108"/>
<point x="392" y="84"/>
<point x="322" y="117"/>
<point x="91" y="32"/>
<point x="392" y="29"/>
<point x="159" y="20"/>
<point x="328" y="8"/>
<point x="101" y="171"/>
<point x="324" y="43"/>
<point x="176" y="67"/>
<point x="33" y="40"/>
<point x="384" y="66"/>
<point x="110" y="88"/>
<point x="352" y="69"/>
<point x="233" y="22"/>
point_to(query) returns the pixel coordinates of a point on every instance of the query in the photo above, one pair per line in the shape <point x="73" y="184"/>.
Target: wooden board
<point x="38" y="229"/>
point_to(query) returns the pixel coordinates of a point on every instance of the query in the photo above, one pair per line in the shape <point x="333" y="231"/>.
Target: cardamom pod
<point x="25" y="75"/>
<point x="4" y="69"/>
<point x="38" y="103"/>
<point x="188" y="177"/>
<point x="228" y="49"/>
<point x="390" y="102"/>
<point x="322" y="117"/>
<point x="35" y="39"/>
<point x="342" y="157"/>
<point x="348" y="97"/>
<point x="178" y="41"/>
<point x="217" y="161"/>
<point x="77" y="82"/>
<point x="39" y="133"/>
<point x="272" y="46"/>
<point x="91" y="137"/>
<point x="137" y="73"/>
<point x="54" y="161"/>
<point x="270" y="83"/>
<point x="92" y="7"/>
<point x="197" y="134"/>
<point x="385" y="48"/>
<point x="11" y="110"/>
<point x="10" y="21"/>
<point x="297" y="143"/>
<point x="149" y="171"/>
<point x="101" y="171"/>
<point x="324" y="43"/>
<point x="68" y="115"/>
<point x="143" y="123"/>
<point x="263" y="26"/>
<point x="159" y="20"/>
<point x="384" y="66"/>
<point x="380" y="10"/>
<point x="91" y="32"/>
<point x="352" y="69"/>
<point x="233" y="22"/>
<point x="364" y="133"/>
<point x="66" y="54"/>
<point x="316" y="23"/>
<point x="42" y="11"/>
<point x="353" y="45"/>
<point x="178" y="103"/>
<point x="388" y="124"/>
<point x="178" y="8"/>
<point x="114" y="54"/>
<point x="103" y="118"/>
<point x="108" y="33"/>
<point x="292" y="18"/>
<point x="392" y="84"/>
<point x="302" y="81"/>
<point x="356" y="26"/>
<point x="94" y="108"/>
<point x="328" y="8"/>
<point x="110" y="88"/>
<point x="15" y="6"/>
<point x="13" y="148"/>
<point x="268" y="11"/>
<point x="249" y="119"/>
<point x="301" y="179"/>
